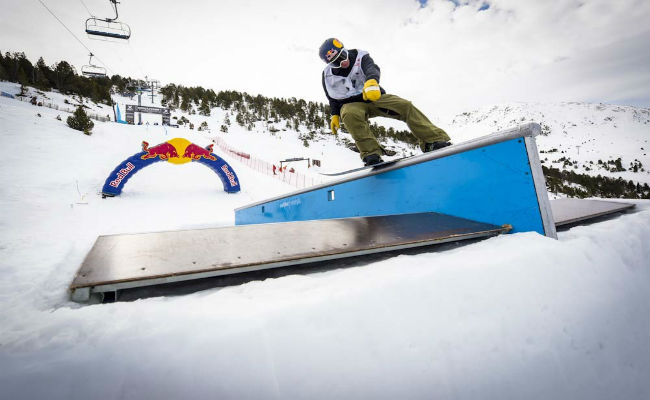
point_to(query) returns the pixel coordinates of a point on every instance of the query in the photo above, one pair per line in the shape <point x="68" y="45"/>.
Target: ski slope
<point x="513" y="317"/>
<point x="584" y="133"/>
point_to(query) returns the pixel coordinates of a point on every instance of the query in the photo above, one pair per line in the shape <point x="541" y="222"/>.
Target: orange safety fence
<point x="296" y="179"/>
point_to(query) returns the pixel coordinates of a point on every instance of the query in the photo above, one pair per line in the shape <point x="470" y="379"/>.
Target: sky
<point x="440" y="54"/>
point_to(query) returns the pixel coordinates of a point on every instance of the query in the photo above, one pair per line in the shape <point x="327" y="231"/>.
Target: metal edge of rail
<point x="94" y="293"/>
<point x="545" y="210"/>
<point x="529" y="130"/>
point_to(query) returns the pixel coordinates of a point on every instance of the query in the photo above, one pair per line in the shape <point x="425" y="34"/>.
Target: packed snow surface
<point x="518" y="316"/>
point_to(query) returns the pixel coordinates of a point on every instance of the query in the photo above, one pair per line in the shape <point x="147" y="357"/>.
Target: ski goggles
<point x="343" y="56"/>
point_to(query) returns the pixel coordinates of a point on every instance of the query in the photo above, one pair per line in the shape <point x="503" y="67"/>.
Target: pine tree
<point x="41" y="79"/>
<point x="64" y="75"/>
<point x="204" y="108"/>
<point x="3" y="73"/>
<point x="22" y="77"/>
<point x="80" y="121"/>
<point x="240" y="119"/>
<point x="186" y="105"/>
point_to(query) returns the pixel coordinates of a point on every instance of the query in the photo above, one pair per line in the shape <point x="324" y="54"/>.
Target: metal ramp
<point x="120" y="262"/>
<point x="496" y="179"/>
<point x="572" y="211"/>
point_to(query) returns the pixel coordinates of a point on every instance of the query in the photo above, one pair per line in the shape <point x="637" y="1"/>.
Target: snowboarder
<point x="351" y="84"/>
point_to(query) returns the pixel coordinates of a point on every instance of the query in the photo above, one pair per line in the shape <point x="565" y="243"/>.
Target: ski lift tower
<point x="153" y="84"/>
<point x="138" y="88"/>
<point x="149" y="85"/>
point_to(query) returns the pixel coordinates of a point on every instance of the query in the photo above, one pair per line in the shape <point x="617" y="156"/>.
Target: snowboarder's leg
<point x="355" y="118"/>
<point x="392" y="106"/>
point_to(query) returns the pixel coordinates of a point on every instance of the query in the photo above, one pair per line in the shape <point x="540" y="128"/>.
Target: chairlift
<point x="93" y="71"/>
<point x="133" y="86"/>
<point x="111" y="28"/>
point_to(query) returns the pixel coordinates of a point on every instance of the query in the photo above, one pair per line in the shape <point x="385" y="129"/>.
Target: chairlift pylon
<point x="93" y="71"/>
<point x="110" y="28"/>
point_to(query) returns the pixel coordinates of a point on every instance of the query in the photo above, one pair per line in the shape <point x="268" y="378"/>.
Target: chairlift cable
<point x="86" y="7"/>
<point x="137" y="59"/>
<point x="73" y="35"/>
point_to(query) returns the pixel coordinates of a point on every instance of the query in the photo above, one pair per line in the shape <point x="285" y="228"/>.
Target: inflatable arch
<point x="175" y="151"/>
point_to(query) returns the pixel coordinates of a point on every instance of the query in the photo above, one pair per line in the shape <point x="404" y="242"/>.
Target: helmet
<point x="330" y="49"/>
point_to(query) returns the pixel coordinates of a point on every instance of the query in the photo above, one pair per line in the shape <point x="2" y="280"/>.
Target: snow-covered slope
<point x="516" y="317"/>
<point x="585" y="138"/>
<point x="582" y="133"/>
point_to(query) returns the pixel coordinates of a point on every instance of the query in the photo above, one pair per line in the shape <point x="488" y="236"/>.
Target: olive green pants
<point x="355" y="117"/>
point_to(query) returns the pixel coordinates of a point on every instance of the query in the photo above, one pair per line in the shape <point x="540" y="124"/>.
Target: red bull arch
<point x="175" y="151"/>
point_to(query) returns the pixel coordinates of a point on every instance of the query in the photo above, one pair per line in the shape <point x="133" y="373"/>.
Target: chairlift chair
<point x="107" y="28"/>
<point x="93" y="71"/>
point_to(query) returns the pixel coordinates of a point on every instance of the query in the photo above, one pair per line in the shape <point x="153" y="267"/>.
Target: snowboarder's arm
<point x="371" y="90"/>
<point x="370" y="69"/>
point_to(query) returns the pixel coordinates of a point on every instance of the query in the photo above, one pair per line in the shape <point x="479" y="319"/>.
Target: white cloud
<point x="439" y="56"/>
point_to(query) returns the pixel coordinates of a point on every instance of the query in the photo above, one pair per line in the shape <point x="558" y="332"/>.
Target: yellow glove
<point x="371" y="90"/>
<point x="335" y="124"/>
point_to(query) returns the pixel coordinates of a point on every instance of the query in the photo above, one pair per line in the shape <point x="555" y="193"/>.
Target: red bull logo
<point x="175" y="151"/>
<point x="121" y="174"/>
<point x="331" y="54"/>
<point x="230" y="175"/>
<point x="195" y="152"/>
<point x="178" y="151"/>
<point x="164" y="150"/>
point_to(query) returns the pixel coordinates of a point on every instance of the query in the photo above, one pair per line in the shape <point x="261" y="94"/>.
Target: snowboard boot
<point x="435" y="146"/>
<point x="372" y="159"/>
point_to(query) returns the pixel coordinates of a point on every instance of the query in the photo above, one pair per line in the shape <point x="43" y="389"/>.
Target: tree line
<point x="15" y="67"/>
<point x="582" y="185"/>
<point x="247" y="109"/>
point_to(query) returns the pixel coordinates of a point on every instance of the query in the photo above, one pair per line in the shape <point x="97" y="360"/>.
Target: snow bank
<point x="517" y="316"/>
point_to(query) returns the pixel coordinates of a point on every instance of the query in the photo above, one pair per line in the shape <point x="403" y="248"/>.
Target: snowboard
<point x="373" y="167"/>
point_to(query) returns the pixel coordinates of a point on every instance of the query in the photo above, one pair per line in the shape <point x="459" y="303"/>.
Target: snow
<point x="584" y="133"/>
<point x="519" y="316"/>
